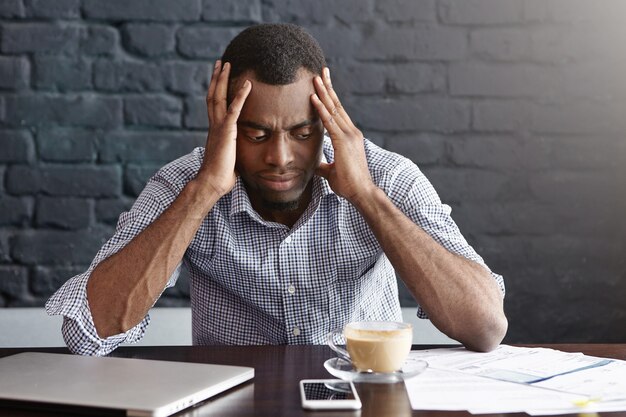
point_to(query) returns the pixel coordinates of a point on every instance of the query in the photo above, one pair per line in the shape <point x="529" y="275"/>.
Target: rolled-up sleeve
<point x="71" y="301"/>
<point x="78" y="329"/>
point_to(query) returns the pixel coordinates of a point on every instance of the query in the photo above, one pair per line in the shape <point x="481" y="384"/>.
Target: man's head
<point x="279" y="134"/>
<point x="274" y="53"/>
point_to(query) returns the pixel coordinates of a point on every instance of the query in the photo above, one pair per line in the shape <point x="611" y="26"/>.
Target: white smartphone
<point x="329" y="394"/>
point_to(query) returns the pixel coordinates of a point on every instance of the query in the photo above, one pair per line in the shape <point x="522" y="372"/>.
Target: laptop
<point x="131" y="387"/>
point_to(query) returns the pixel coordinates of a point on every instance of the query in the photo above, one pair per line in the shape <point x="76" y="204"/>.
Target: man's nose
<point x="278" y="151"/>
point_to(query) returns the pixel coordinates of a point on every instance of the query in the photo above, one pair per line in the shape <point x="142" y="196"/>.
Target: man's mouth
<point x="279" y="182"/>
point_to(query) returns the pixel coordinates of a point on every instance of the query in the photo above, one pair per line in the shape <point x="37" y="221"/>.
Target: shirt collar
<point x="239" y="200"/>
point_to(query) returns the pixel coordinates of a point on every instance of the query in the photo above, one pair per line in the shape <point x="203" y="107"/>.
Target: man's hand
<point x="348" y="175"/>
<point x="218" y="167"/>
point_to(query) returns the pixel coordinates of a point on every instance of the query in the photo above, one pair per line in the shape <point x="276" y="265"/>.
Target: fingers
<point x="221" y="91"/>
<point x="211" y="92"/>
<point x="223" y="120"/>
<point x="234" y="110"/>
<point x="331" y="102"/>
<point x="333" y="96"/>
<point x="327" y="119"/>
<point x="334" y="115"/>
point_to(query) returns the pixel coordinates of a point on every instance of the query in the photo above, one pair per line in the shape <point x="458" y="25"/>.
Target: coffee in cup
<point x="375" y="346"/>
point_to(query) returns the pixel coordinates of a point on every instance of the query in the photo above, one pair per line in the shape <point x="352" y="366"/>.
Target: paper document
<point x="601" y="384"/>
<point x="509" y="363"/>
<point x="437" y="389"/>
<point x="513" y="379"/>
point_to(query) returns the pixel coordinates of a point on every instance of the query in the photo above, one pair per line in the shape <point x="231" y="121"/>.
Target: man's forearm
<point x="123" y="287"/>
<point x="459" y="295"/>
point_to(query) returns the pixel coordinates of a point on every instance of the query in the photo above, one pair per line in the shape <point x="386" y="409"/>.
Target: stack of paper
<point x="537" y="381"/>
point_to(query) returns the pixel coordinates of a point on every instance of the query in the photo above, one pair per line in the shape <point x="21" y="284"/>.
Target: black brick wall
<point x="515" y="109"/>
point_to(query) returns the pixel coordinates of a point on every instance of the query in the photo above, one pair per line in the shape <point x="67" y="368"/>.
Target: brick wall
<point x="515" y="109"/>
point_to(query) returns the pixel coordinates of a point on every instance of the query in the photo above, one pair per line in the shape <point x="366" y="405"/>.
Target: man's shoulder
<point x="388" y="168"/>
<point x="167" y="182"/>
<point x="164" y="187"/>
<point x="183" y="169"/>
<point x="377" y="157"/>
<point x="394" y="173"/>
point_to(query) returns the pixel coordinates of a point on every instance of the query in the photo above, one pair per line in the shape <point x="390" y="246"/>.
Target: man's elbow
<point x="490" y="336"/>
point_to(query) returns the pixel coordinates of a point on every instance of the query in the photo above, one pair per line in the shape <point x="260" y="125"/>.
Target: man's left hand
<point x="348" y="175"/>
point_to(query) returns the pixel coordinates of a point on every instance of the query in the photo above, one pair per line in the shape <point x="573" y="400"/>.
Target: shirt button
<point x="288" y="239"/>
<point x="291" y="289"/>
<point x="296" y="331"/>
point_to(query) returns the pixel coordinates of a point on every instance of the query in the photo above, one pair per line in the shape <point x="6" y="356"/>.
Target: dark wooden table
<point x="278" y="369"/>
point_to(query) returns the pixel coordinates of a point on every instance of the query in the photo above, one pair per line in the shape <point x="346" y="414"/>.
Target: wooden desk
<point x="278" y="369"/>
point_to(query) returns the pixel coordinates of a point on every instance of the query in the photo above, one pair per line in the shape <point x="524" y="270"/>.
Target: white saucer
<point x="342" y="369"/>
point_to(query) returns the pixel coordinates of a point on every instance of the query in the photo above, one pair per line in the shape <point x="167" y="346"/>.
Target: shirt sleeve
<point x="71" y="301"/>
<point x="423" y="205"/>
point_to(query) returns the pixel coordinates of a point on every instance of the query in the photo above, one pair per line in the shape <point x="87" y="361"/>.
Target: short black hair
<point x="274" y="52"/>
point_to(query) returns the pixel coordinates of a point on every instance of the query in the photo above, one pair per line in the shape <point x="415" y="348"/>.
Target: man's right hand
<point x="218" y="168"/>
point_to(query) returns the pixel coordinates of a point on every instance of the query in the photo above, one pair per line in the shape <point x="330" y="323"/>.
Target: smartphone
<point x="329" y="394"/>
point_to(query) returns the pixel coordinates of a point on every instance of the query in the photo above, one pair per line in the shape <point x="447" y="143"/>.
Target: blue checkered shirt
<point x="259" y="282"/>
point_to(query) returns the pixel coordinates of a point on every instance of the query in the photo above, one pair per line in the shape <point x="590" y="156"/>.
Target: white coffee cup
<point x="374" y="346"/>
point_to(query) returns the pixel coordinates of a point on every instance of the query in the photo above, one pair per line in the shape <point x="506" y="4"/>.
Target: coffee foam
<point x="363" y="334"/>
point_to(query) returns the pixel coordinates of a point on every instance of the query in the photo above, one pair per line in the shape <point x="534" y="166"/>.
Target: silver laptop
<point x="138" y="387"/>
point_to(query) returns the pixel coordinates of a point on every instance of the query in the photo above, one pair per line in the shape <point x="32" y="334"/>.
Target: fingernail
<point x="217" y="64"/>
<point x="327" y="73"/>
<point x="246" y="83"/>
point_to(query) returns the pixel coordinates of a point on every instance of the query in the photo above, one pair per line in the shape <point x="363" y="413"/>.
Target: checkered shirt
<point x="259" y="282"/>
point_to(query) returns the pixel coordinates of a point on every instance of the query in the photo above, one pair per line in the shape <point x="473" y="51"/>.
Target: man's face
<point x="279" y="144"/>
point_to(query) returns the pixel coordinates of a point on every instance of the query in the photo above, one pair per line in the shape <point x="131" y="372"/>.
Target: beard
<point x="280" y="201"/>
<point x="281" y="205"/>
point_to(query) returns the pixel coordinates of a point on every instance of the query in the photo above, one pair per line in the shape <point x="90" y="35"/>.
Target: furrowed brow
<point x="258" y="126"/>
<point x="303" y="124"/>
<point x="253" y="125"/>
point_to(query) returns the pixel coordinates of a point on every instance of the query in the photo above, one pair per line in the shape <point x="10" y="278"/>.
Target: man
<point x="286" y="233"/>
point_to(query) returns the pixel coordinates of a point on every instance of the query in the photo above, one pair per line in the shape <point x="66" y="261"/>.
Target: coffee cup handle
<point x="331" y="343"/>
